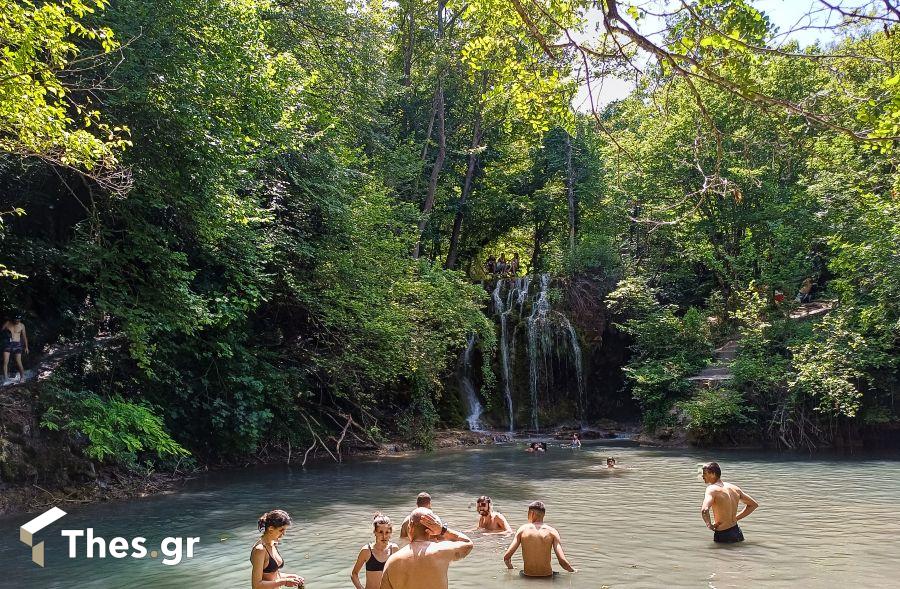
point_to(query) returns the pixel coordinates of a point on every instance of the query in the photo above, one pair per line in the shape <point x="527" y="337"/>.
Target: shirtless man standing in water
<point x="423" y="563"/>
<point x="490" y="520"/>
<point x="723" y="498"/>
<point x="536" y="539"/>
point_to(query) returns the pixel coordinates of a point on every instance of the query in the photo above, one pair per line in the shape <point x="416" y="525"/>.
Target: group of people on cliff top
<point x="502" y="267"/>
<point x="423" y="563"/>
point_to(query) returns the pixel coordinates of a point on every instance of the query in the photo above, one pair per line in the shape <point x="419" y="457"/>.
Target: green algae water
<point x="822" y="521"/>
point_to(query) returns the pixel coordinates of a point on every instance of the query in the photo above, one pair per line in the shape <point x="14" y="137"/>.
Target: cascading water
<point x="579" y="369"/>
<point x="504" y="351"/>
<point x="548" y="333"/>
<point x="468" y="389"/>
<point x="535" y="327"/>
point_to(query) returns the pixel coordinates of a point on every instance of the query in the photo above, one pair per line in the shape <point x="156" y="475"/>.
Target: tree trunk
<point x="570" y="189"/>
<point x="410" y="40"/>
<point x="428" y="205"/>
<point x="466" y="190"/>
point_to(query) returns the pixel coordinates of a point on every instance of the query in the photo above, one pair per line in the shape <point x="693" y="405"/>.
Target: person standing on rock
<point x="490" y="520"/>
<point x="424" y="562"/>
<point x="722" y="500"/>
<point x="537" y="539"/>
<point x="15" y="345"/>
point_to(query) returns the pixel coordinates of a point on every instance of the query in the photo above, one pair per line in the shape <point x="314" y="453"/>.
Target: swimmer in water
<point x="537" y="539"/>
<point x="423" y="563"/>
<point x="423" y="499"/>
<point x="576" y="441"/>
<point x="489" y="520"/>
<point x="610" y="462"/>
<point x="265" y="558"/>
<point x="374" y="556"/>
<point x="722" y="499"/>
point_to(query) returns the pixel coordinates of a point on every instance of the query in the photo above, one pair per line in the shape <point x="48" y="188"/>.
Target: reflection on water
<point x="822" y="522"/>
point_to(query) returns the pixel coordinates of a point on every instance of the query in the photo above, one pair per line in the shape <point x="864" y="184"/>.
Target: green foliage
<point x="116" y="430"/>
<point x="714" y="411"/>
<point x="45" y="111"/>
<point x="666" y="348"/>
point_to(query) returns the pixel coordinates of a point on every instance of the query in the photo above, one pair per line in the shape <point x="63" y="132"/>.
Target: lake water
<point x="822" y="521"/>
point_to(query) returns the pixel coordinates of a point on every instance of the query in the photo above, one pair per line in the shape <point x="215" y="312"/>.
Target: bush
<point x="116" y="430"/>
<point x="712" y="411"/>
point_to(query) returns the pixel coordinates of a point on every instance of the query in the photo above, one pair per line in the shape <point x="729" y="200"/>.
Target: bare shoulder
<point x="258" y="553"/>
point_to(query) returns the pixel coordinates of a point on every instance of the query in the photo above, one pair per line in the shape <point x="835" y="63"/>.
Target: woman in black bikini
<point x="267" y="562"/>
<point x="373" y="556"/>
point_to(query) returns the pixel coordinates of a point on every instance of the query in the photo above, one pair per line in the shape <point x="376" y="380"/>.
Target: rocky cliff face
<point x="35" y="462"/>
<point x="558" y="361"/>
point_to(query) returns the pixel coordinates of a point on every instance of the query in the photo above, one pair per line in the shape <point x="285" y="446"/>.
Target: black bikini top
<point x="373" y="564"/>
<point x="272" y="566"/>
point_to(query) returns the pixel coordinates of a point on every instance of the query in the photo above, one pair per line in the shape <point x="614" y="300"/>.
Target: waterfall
<point x="579" y="369"/>
<point x="468" y="389"/>
<point x="535" y="328"/>
<point x="504" y="350"/>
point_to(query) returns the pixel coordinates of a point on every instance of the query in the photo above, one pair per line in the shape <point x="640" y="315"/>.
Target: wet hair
<point x="537" y="506"/>
<point x="544" y="445"/>
<point x="610" y="459"/>
<point x="423" y="499"/>
<point x="484" y="499"/>
<point x="274" y="519"/>
<point x="379" y="519"/>
<point x="713" y="468"/>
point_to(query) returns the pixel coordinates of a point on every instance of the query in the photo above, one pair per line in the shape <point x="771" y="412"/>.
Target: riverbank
<point x="80" y="482"/>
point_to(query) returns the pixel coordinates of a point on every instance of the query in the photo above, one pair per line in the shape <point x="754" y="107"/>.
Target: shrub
<point x="116" y="430"/>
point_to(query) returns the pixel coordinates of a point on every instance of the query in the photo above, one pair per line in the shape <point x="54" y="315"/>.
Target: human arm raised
<point x="458" y="545"/>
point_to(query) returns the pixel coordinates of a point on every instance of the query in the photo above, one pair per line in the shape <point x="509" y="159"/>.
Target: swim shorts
<point x="729" y="536"/>
<point x="13" y="347"/>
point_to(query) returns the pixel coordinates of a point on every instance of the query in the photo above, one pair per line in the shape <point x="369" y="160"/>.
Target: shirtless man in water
<point x="536" y="539"/>
<point x="423" y="499"/>
<point x="490" y="520"/>
<point x="723" y="498"/>
<point x="423" y="563"/>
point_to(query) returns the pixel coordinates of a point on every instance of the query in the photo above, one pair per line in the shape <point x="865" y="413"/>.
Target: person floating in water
<point x="374" y="556"/>
<point x="576" y="441"/>
<point x="537" y="539"/>
<point x="15" y="346"/>
<point x="610" y="462"/>
<point x="722" y="499"/>
<point x="490" y="520"/>
<point x="423" y="499"/>
<point x="423" y="563"/>
<point x="266" y="560"/>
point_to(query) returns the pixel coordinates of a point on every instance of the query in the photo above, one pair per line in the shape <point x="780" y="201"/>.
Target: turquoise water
<point x="823" y="522"/>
